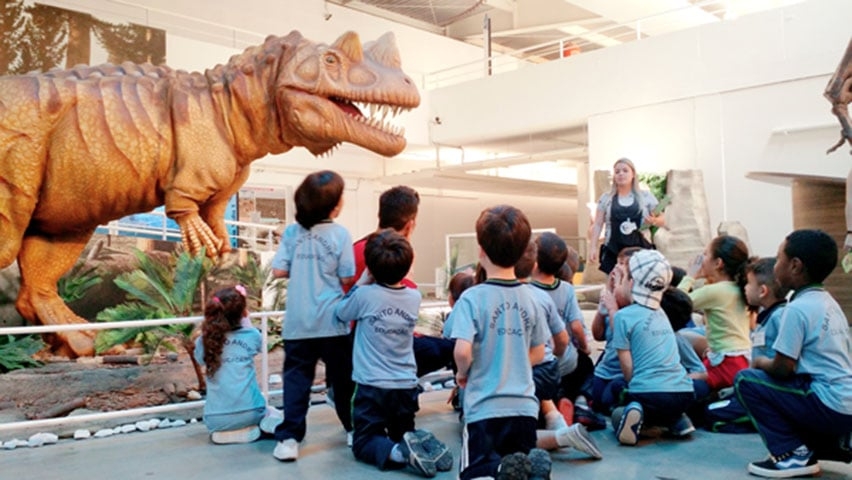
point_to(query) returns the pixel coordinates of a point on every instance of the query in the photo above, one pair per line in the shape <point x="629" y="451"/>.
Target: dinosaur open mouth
<point x="379" y="114"/>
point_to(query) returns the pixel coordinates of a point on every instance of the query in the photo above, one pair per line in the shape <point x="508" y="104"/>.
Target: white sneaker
<point x="578" y="437"/>
<point x="287" y="450"/>
<point x="271" y="420"/>
<point x="349" y="439"/>
<point x="241" y="435"/>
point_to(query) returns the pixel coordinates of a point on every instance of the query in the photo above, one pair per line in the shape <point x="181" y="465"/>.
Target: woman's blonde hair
<point x="634" y="186"/>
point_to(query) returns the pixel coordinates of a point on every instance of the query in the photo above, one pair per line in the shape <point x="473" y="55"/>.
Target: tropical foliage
<point x="158" y="289"/>
<point x="17" y="352"/>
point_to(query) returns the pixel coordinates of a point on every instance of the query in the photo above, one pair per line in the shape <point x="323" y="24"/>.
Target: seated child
<point x="234" y="407"/>
<point x="556" y="433"/>
<point x="460" y="282"/>
<point x="608" y="382"/>
<point x="383" y="366"/>
<point x="659" y="390"/>
<point x="575" y="365"/>
<point x="800" y="400"/>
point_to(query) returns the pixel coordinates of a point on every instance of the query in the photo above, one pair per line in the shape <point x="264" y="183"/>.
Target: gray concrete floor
<point x="186" y="453"/>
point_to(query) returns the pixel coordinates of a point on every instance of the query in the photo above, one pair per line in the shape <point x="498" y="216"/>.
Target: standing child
<point x="801" y="399"/>
<point x="658" y="388"/>
<point x="498" y="338"/>
<point x="384" y="369"/>
<point x="316" y="254"/>
<point x="234" y="406"/>
<point x="722" y="300"/>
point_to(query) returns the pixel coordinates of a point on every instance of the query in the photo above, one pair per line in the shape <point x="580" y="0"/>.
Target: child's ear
<point x="764" y="291"/>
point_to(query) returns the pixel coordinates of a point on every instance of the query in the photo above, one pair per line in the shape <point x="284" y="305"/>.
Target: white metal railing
<point x="264" y="367"/>
<point x="593" y="34"/>
<point x="257" y="236"/>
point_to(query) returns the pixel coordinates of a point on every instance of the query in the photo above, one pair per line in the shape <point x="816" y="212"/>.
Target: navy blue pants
<point x="433" y="353"/>
<point x="546" y="380"/>
<point x="578" y="382"/>
<point x="300" y="364"/>
<point x="606" y="394"/>
<point x="486" y="442"/>
<point x="662" y="408"/>
<point x="381" y="416"/>
<point x="787" y="413"/>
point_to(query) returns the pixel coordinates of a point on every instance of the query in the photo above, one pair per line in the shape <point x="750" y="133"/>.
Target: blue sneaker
<point x="630" y="423"/>
<point x="682" y="427"/>
<point x="799" y="463"/>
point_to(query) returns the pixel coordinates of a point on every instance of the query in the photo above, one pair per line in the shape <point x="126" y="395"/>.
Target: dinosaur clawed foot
<point x="197" y="235"/>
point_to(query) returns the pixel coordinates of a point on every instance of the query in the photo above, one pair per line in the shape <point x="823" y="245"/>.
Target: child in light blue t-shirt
<point x="384" y="369"/>
<point x="234" y="410"/>
<point x="316" y="255"/>
<point x="800" y="400"/>
<point x="498" y="338"/>
<point x="659" y="390"/>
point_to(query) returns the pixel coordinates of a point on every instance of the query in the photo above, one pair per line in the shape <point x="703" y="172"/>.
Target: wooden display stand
<point x="819" y="202"/>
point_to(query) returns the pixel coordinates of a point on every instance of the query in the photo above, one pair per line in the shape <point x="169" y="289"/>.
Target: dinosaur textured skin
<point x="839" y="93"/>
<point x="84" y="146"/>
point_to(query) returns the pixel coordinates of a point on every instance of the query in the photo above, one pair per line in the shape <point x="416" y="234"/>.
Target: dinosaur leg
<point x="42" y="262"/>
<point x="196" y="234"/>
<point x="214" y="215"/>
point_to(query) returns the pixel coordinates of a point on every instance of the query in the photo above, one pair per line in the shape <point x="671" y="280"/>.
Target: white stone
<point x="450" y="384"/>
<point x="193" y="395"/>
<point x="12" y="444"/>
<point x="165" y="423"/>
<point x="143" y="425"/>
<point x="178" y="423"/>
<point x="154" y="423"/>
<point x="437" y="386"/>
<point x="42" y="438"/>
<point x="128" y="428"/>
<point x="35" y="442"/>
<point x="116" y="430"/>
<point x="82" y="434"/>
<point x="193" y="421"/>
<point x="106" y="432"/>
<point x="275" y="379"/>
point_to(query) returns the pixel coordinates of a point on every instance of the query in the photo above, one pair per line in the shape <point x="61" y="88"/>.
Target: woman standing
<point x="620" y="213"/>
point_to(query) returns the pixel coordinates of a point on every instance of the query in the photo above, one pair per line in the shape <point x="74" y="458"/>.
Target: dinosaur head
<point x="344" y="92"/>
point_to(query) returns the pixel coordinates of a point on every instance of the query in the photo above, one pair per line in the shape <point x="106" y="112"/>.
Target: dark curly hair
<point x="222" y="314"/>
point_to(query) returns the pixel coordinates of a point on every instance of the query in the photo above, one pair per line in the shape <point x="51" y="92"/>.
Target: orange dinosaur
<point x="87" y="145"/>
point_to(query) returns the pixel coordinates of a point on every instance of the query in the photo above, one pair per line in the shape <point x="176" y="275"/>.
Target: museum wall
<point x="727" y="98"/>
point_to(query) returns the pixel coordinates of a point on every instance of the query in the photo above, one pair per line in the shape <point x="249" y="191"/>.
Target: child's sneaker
<point x="286" y="450"/>
<point x="241" y="435"/>
<point x="578" y="437"/>
<point x="514" y="467"/>
<point x="438" y="451"/>
<point x="682" y="427"/>
<point x="418" y="457"/>
<point x="589" y="418"/>
<point x="627" y="431"/>
<point x="271" y="420"/>
<point x="566" y="408"/>
<point x="798" y="463"/>
<point x="540" y="464"/>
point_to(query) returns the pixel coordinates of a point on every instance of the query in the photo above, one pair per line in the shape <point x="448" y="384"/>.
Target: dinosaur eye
<point x="330" y="59"/>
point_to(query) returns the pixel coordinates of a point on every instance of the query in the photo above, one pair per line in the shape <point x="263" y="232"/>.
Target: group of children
<point x="517" y="342"/>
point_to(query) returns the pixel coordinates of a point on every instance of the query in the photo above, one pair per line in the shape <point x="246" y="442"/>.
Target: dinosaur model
<point x="83" y="146"/>
<point x="839" y="93"/>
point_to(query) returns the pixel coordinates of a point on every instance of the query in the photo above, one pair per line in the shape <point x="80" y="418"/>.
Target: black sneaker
<point x="798" y="463"/>
<point x="514" y="467"/>
<point x="418" y="457"/>
<point x="589" y="418"/>
<point x="540" y="464"/>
